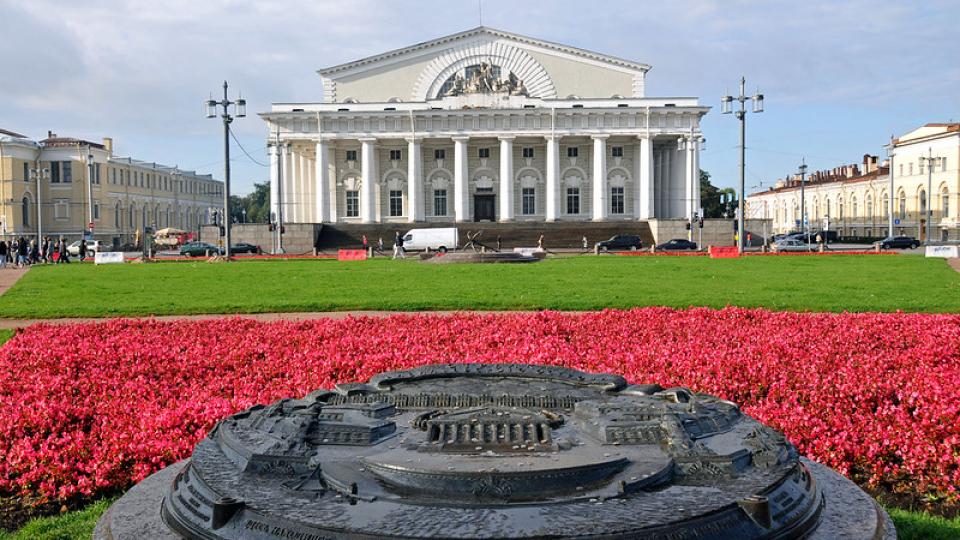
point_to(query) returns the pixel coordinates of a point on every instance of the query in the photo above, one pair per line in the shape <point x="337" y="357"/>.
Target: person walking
<point x="398" y="246"/>
<point x="34" y="252"/>
<point x="364" y="240"/>
<point x="83" y="249"/>
<point x="499" y="244"/>
<point x="64" y="254"/>
<point x="540" y="242"/>
<point x="3" y="254"/>
<point x="380" y="245"/>
<point x="22" y="252"/>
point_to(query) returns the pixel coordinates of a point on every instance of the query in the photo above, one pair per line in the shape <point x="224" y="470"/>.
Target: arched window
<point x="132" y="217"/>
<point x="923" y="202"/>
<point x="944" y="203"/>
<point x="853" y="207"/>
<point x="886" y="206"/>
<point x="903" y="205"/>
<point x="117" y="215"/>
<point x="840" y="207"/>
<point x="870" y="208"/>
<point x="26" y="211"/>
<point x="826" y="213"/>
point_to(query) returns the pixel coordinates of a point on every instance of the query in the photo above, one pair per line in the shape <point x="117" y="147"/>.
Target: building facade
<point x="855" y="200"/>
<point x="485" y="125"/>
<point x="60" y="186"/>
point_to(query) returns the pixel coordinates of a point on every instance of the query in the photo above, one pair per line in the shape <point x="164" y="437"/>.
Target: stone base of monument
<point x="848" y="513"/>
<point x="477" y="257"/>
<point x="479" y="451"/>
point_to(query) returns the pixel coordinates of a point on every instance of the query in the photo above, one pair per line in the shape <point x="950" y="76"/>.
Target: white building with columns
<point x="485" y="125"/>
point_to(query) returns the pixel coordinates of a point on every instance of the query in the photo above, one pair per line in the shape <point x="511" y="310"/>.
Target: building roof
<point x="928" y="131"/>
<point x="58" y="142"/>
<point x="12" y="134"/>
<point x="827" y="179"/>
<point x="480" y="31"/>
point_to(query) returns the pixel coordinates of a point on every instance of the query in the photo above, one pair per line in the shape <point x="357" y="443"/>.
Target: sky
<point x="839" y="78"/>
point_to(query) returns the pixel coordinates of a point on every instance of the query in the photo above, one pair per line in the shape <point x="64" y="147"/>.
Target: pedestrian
<point x="540" y="242"/>
<point x="64" y="254"/>
<point x="364" y="240"/>
<point x="34" y="252"/>
<point x="3" y="254"/>
<point x="498" y="243"/>
<point x="380" y="245"/>
<point x="583" y="243"/>
<point x="398" y="246"/>
<point x="83" y="249"/>
<point x="22" y="252"/>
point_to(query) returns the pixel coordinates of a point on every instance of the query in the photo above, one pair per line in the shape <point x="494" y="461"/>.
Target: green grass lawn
<point x="835" y="283"/>
<point x="79" y="525"/>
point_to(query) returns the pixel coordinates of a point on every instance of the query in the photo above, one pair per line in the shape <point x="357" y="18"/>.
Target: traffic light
<point x="701" y="222"/>
<point x="688" y="225"/>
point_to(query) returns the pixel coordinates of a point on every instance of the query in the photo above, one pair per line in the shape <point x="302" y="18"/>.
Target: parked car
<point x="791" y="244"/>
<point x="899" y="242"/>
<point x="93" y="246"/>
<point x="621" y="241"/>
<point x="243" y="247"/>
<point x="677" y="244"/>
<point x="200" y="249"/>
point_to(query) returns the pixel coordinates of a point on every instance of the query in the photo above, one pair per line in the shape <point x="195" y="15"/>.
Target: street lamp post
<point x="931" y="163"/>
<point x="890" y="154"/>
<point x="39" y="174"/>
<point x="803" y="202"/>
<point x="240" y="107"/>
<point x="90" y="169"/>
<point x="741" y="115"/>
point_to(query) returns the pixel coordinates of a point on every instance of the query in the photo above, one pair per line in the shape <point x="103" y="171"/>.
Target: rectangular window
<point x="921" y="166"/>
<point x="440" y="153"/>
<point x="396" y="203"/>
<point x="26" y="171"/>
<point x="528" y="152"/>
<point x="943" y="163"/>
<point x="440" y="200"/>
<point x="96" y="211"/>
<point x="616" y="151"/>
<point x="573" y="200"/>
<point x="483" y="153"/>
<point x="901" y="169"/>
<point x="351" y="155"/>
<point x="96" y="173"/>
<point x="54" y="172"/>
<point x="910" y="167"/>
<point x="61" y="209"/>
<point x="529" y="199"/>
<point x="113" y="176"/>
<point x="616" y="200"/>
<point x="353" y="203"/>
<point x="572" y="151"/>
<point x="395" y="155"/>
<point x="67" y="175"/>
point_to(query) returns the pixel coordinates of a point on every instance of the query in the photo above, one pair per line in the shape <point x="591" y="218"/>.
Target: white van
<point x="440" y="239"/>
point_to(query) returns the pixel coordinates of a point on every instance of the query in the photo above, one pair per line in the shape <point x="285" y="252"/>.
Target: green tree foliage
<point x="716" y="202"/>
<point x="257" y="205"/>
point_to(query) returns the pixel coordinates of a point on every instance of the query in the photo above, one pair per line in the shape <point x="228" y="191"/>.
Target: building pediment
<point x="483" y="61"/>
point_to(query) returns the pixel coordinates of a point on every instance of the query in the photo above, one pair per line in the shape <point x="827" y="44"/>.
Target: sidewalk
<point x="9" y="276"/>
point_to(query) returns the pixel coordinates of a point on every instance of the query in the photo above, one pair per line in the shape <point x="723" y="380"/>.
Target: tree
<point x="716" y="202"/>
<point x="257" y="205"/>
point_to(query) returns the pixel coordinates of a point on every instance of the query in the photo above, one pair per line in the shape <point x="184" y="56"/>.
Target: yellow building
<point x="854" y="200"/>
<point x="64" y="187"/>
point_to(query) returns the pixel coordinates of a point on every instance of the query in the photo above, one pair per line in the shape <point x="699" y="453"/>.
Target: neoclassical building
<point x="60" y="186"/>
<point x="485" y="125"/>
<point x="855" y="199"/>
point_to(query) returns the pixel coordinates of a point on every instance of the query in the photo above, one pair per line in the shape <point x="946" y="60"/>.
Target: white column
<point x="599" y="177"/>
<point x="368" y="177"/>
<point x="645" y="193"/>
<point x="553" y="176"/>
<point x="696" y="177"/>
<point x="302" y="197"/>
<point x="274" y="180"/>
<point x="309" y="204"/>
<point x="321" y="182"/>
<point x="414" y="180"/>
<point x="506" y="178"/>
<point x="689" y="197"/>
<point x="461" y="205"/>
<point x="289" y="197"/>
<point x="332" y="183"/>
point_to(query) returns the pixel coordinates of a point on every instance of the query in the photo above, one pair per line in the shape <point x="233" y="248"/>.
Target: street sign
<point x="896" y="221"/>
<point x="797" y="222"/>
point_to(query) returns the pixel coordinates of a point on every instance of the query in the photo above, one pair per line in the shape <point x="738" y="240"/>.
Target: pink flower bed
<point x="87" y="409"/>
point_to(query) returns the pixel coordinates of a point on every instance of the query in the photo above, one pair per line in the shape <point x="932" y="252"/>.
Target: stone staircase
<point x="557" y="235"/>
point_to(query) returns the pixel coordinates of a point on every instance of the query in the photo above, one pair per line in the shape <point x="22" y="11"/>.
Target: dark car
<point x="621" y="241"/>
<point x="899" y="242"/>
<point x="200" y="249"/>
<point x="677" y="244"/>
<point x="243" y="247"/>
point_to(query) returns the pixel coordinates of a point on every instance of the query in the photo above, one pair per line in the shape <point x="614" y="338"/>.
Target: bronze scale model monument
<point x="495" y="451"/>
